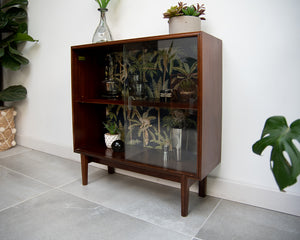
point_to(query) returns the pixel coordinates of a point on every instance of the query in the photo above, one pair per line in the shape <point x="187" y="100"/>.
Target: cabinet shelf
<point x="146" y="103"/>
<point x="172" y="166"/>
<point x="178" y="140"/>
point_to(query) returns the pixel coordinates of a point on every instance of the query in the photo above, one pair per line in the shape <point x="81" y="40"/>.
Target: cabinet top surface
<point x="142" y="39"/>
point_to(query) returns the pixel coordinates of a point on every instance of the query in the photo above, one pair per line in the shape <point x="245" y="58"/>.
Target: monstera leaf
<point x="285" y="156"/>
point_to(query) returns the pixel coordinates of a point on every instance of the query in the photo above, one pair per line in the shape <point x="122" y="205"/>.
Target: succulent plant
<point x="182" y="10"/>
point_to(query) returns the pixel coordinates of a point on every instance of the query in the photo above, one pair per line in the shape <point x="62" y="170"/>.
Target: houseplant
<point x="13" y="29"/>
<point x="178" y="121"/>
<point x="183" y="18"/>
<point x="111" y="126"/>
<point x="285" y="156"/>
<point x="102" y="33"/>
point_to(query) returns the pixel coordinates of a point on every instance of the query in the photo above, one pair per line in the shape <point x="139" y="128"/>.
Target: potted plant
<point x="184" y="18"/>
<point x="113" y="133"/>
<point x="285" y="156"/>
<point x="178" y="121"/>
<point x="13" y="32"/>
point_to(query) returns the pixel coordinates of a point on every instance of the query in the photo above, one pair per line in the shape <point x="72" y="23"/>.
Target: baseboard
<point x="51" y="148"/>
<point x="216" y="187"/>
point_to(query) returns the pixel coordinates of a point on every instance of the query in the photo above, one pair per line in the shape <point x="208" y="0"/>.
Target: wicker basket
<point x="7" y="128"/>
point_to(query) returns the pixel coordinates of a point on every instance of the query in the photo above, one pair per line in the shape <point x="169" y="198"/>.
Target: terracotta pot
<point x="184" y="24"/>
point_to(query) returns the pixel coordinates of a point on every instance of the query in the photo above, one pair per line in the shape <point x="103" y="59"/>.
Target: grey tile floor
<point x="41" y="197"/>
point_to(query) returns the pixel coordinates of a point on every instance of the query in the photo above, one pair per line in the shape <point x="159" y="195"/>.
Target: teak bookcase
<point x="188" y="68"/>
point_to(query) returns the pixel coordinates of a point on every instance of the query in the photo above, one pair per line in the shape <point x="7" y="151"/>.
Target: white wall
<point x="261" y="78"/>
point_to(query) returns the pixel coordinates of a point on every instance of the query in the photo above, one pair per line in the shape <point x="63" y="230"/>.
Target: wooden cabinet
<point x="164" y="93"/>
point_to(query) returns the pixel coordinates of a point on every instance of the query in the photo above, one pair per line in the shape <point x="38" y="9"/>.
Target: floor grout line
<point x="212" y="212"/>
<point x="24" y="175"/>
<point x="27" y="199"/>
<point x="122" y="212"/>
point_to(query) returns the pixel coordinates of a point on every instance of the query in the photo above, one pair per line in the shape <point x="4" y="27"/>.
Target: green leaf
<point x="20" y="37"/>
<point x="16" y="13"/>
<point x="20" y="59"/>
<point x="22" y="28"/>
<point x="13" y="50"/>
<point x="14" y="3"/>
<point x="3" y="20"/>
<point x="9" y="62"/>
<point x="13" y="93"/>
<point x="280" y="137"/>
<point x="2" y="52"/>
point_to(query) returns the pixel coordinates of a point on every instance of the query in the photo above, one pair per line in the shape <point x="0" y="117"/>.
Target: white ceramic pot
<point x="184" y="24"/>
<point x="109" y="139"/>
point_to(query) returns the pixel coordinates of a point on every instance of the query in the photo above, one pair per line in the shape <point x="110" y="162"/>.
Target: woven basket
<point x="7" y="128"/>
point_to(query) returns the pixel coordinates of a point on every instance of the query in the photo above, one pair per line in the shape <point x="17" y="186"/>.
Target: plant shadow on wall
<point x="285" y="155"/>
<point x="13" y="29"/>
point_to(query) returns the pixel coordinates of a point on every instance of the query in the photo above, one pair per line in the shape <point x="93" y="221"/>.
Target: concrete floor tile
<point x="49" y="169"/>
<point x="15" y="188"/>
<point x="151" y="202"/>
<point x="233" y="220"/>
<point x="14" y="151"/>
<point x="58" y="215"/>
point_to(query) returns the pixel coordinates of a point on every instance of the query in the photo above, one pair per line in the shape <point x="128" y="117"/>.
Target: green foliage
<point x="102" y="3"/>
<point x="182" y="10"/>
<point x="285" y="157"/>
<point x="178" y="119"/>
<point x="111" y="127"/>
<point x="111" y="124"/>
<point x="13" y="24"/>
<point x="13" y="93"/>
<point x="13" y="28"/>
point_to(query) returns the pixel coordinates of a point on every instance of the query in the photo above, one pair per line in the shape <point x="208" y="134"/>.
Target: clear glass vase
<point x="102" y="33"/>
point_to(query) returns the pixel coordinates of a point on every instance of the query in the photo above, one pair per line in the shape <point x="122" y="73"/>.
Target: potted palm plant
<point x="13" y="32"/>
<point x="183" y="18"/>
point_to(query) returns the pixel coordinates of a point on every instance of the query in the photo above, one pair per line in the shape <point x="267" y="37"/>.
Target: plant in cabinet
<point x="113" y="133"/>
<point x="285" y="156"/>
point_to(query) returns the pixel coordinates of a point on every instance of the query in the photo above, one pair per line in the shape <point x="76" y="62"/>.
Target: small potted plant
<point x="183" y="18"/>
<point x="178" y="120"/>
<point x="113" y="133"/>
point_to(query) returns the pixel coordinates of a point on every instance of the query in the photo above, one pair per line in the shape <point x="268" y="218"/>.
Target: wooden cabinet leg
<point x="202" y="187"/>
<point x="84" y="169"/>
<point x="110" y="170"/>
<point x="184" y="196"/>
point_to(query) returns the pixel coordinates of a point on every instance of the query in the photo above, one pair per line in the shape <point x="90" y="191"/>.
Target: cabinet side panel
<point x="88" y="125"/>
<point x="211" y="103"/>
